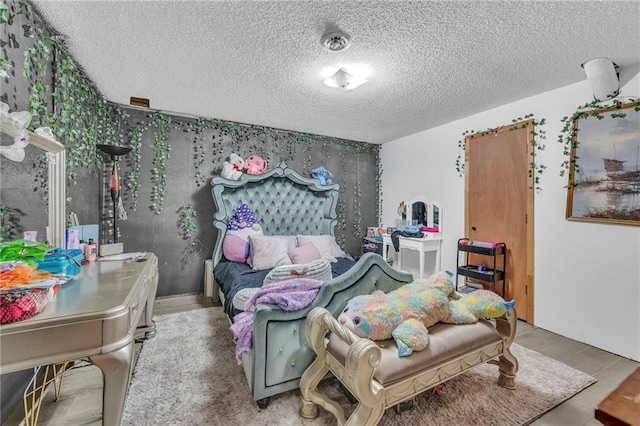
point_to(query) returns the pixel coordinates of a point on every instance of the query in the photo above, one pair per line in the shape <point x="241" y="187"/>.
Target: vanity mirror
<point x="420" y="211"/>
<point x="15" y="125"/>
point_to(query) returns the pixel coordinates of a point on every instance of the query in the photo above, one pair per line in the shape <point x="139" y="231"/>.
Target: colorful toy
<point x="403" y="314"/>
<point x="232" y="169"/>
<point x="255" y="165"/>
<point x="323" y="174"/>
<point x="475" y="305"/>
<point x="236" y="242"/>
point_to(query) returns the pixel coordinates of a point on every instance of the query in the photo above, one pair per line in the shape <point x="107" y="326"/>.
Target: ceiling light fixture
<point x="602" y="74"/>
<point x="344" y="81"/>
<point x="335" y="41"/>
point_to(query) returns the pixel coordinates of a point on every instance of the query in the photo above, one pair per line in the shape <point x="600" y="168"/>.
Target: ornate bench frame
<point x="357" y="373"/>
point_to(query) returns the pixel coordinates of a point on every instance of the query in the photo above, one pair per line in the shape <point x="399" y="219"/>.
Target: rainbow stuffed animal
<point x="404" y="314"/>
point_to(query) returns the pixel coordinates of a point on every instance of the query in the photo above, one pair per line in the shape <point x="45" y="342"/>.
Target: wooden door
<point x="499" y="204"/>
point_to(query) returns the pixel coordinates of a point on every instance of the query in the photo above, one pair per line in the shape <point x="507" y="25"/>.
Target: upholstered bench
<point x="378" y="378"/>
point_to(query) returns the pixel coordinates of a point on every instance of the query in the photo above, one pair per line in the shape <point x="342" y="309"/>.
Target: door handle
<point x="473" y="228"/>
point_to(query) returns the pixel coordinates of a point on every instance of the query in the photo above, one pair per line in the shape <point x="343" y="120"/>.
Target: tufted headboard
<point x="285" y="202"/>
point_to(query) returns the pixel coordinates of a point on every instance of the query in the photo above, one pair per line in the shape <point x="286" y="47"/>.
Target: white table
<point x="430" y="242"/>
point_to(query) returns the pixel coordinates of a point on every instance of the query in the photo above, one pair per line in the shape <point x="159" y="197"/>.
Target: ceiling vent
<point x="335" y="41"/>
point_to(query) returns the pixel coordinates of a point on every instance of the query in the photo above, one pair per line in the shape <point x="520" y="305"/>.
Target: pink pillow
<point x="304" y="254"/>
<point x="322" y="243"/>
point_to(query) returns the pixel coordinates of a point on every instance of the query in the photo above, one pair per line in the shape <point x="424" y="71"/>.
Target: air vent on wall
<point x="141" y="102"/>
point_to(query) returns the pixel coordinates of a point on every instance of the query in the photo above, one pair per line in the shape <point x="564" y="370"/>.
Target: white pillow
<point x="322" y="243"/>
<point x="319" y="269"/>
<point x="336" y="251"/>
<point x="290" y="239"/>
<point x="268" y="252"/>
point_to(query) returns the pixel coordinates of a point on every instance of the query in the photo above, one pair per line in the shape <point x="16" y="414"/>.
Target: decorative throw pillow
<point x="319" y="269"/>
<point x="290" y="239"/>
<point x="322" y="243"/>
<point x="304" y="254"/>
<point x="241" y="225"/>
<point x="268" y="252"/>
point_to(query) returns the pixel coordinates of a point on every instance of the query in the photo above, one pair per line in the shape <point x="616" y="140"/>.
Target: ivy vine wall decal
<point x="39" y="74"/>
<point x="536" y="146"/>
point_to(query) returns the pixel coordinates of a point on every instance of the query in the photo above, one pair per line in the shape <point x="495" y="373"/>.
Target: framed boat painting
<point x="604" y="177"/>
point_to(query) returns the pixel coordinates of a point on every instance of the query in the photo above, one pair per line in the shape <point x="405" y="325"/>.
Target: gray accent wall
<point x="181" y="260"/>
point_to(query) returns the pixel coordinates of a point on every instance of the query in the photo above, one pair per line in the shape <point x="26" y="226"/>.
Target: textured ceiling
<point x="261" y="62"/>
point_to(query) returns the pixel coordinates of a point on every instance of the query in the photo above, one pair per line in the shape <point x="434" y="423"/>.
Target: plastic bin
<point x="62" y="262"/>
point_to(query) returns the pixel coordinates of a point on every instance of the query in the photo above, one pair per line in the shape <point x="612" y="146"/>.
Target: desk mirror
<point x="420" y="211"/>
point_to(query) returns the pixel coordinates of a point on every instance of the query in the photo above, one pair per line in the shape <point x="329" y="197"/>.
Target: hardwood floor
<point x="81" y="401"/>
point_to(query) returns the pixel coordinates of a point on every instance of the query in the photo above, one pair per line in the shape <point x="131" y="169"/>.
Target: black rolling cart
<point x="481" y="272"/>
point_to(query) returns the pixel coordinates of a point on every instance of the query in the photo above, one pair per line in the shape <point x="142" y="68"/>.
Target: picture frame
<point x="604" y="172"/>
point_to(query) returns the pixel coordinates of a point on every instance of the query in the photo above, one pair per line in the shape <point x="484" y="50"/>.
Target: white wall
<point x="587" y="275"/>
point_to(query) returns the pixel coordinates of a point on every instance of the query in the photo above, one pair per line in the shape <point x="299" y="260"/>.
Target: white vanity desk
<point x="430" y="242"/>
<point x="429" y="214"/>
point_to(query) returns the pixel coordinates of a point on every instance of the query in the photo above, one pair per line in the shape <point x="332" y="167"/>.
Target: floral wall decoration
<point x="5" y="227"/>
<point x="536" y="145"/>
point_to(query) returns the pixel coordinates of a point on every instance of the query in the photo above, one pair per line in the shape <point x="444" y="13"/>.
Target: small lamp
<point x="602" y="74"/>
<point x="114" y="152"/>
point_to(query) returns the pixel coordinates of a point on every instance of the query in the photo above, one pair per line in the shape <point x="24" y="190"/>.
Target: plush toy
<point x="236" y="242"/>
<point x="323" y="174"/>
<point x="403" y="314"/>
<point x="255" y="165"/>
<point x="232" y="169"/>
<point x="475" y="305"/>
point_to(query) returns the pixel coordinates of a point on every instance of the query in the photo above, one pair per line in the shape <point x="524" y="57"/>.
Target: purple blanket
<point x="289" y="295"/>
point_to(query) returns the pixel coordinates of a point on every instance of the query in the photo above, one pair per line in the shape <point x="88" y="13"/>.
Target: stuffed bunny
<point x="232" y="169"/>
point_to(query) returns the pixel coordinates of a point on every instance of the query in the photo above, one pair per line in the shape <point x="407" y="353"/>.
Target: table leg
<point x="116" y="370"/>
<point x="400" y="257"/>
<point x="148" y="311"/>
<point x="385" y="248"/>
<point x="421" y="252"/>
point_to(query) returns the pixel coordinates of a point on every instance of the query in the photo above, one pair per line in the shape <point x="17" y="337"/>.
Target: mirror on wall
<point x="14" y="126"/>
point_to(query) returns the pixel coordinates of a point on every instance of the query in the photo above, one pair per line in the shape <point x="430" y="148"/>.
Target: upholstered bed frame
<point x="288" y="203"/>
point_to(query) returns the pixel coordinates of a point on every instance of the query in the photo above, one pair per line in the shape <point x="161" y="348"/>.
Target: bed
<point x="288" y="204"/>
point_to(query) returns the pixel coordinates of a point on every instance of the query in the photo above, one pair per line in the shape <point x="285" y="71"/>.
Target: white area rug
<point x="187" y="375"/>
